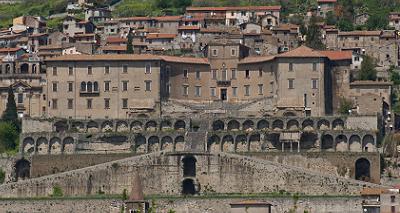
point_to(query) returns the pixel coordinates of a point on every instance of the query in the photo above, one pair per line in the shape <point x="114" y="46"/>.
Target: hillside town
<point x="214" y="102"/>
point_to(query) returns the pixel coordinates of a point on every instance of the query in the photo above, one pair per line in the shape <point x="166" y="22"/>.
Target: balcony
<point x="89" y="93"/>
<point x="223" y="83"/>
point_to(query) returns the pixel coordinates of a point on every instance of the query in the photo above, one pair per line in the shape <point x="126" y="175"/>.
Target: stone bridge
<point x="175" y="173"/>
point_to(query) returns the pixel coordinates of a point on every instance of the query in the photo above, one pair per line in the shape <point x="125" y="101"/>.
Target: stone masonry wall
<point x="163" y="174"/>
<point x="7" y="165"/>
<point x="34" y="125"/>
<point x="194" y="205"/>
<point x="362" y="122"/>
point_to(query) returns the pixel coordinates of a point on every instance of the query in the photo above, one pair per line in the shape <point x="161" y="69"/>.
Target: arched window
<point x="8" y="69"/>
<point x="83" y="86"/>
<point x="33" y="68"/>
<point x="89" y="87"/>
<point x="95" y="86"/>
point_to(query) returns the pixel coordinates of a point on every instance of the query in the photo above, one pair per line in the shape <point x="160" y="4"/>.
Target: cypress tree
<point x="10" y="114"/>
<point x="313" y="35"/>
<point x="129" y="46"/>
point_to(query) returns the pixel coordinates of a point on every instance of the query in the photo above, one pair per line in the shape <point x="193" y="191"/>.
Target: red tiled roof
<point x="188" y="60"/>
<point x="7" y="49"/>
<point x="337" y="55"/>
<point x="50" y="47"/>
<point x="286" y="27"/>
<point x="302" y="52"/>
<point x="115" y="39"/>
<point x="160" y="35"/>
<point x="276" y="8"/>
<point x="114" y="48"/>
<point x="168" y="18"/>
<point x="189" y="28"/>
<point x="256" y="59"/>
<point x="106" y="57"/>
<point x="136" y="18"/>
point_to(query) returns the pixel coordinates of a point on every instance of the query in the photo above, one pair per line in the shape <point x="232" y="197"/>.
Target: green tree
<point x="8" y="137"/>
<point x="377" y="22"/>
<point x="330" y="18"/>
<point x="10" y="114"/>
<point x="368" y="71"/>
<point x="345" y="25"/>
<point x="129" y="45"/>
<point x="345" y="106"/>
<point x="313" y="35"/>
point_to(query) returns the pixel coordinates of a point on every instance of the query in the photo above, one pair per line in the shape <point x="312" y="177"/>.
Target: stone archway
<point x="233" y="125"/>
<point x="368" y="143"/>
<point x="189" y="166"/>
<point x="140" y="144"/>
<point x="277" y="125"/>
<point x="327" y="143"/>
<point x="28" y="145"/>
<point x="363" y="170"/>
<point x="188" y="187"/>
<point x="262" y="124"/>
<point x="341" y="143"/>
<point x="355" y="143"/>
<point x="180" y="125"/>
<point x="248" y="125"/>
<point x="213" y="144"/>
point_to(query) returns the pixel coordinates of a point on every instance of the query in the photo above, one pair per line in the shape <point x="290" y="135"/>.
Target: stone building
<point x="325" y="6"/>
<point x="394" y="20"/>
<point x="73" y="26"/>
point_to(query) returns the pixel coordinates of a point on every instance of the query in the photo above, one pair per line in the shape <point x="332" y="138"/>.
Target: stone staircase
<point x="196" y="137"/>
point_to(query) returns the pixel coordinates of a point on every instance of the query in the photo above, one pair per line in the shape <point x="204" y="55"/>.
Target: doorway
<point x="224" y="94"/>
<point x="188" y="187"/>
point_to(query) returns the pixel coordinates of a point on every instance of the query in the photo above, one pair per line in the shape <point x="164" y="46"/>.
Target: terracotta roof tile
<point x="256" y="59"/>
<point x="168" y="18"/>
<point x="338" y="55"/>
<point x="188" y="60"/>
<point x="275" y="8"/>
<point x="189" y="28"/>
<point x="7" y="50"/>
<point x="106" y="57"/>
<point x="301" y="52"/>
<point x="115" y="39"/>
<point x="114" y="48"/>
<point x="160" y="35"/>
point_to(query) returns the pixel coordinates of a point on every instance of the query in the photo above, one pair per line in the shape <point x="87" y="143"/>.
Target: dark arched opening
<point x="188" y="187"/>
<point x="218" y="125"/>
<point x="189" y="166"/>
<point x="22" y="169"/>
<point x="363" y="170"/>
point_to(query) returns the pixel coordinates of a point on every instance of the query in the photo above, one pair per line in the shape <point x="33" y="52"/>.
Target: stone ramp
<point x="162" y="174"/>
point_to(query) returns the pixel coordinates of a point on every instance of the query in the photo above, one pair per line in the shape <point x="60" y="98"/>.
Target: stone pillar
<point x="291" y="146"/>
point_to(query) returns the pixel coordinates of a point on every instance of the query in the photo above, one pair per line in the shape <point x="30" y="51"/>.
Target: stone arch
<point x="8" y="68"/>
<point x="368" y="143"/>
<point x="277" y="124"/>
<point x="92" y="126"/>
<point x="262" y="124"/>
<point x="165" y="125"/>
<point x="136" y="126"/>
<point x="189" y="166"/>
<point x="151" y="126"/>
<point x="61" y="126"/>
<point x="255" y="142"/>
<point x="241" y="144"/>
<point x="153" y="144"/>
<point x="338" y="124"/>
<point x="68" y="145"/>
<point x="228" y="144"/>
<point x="179" y="143"/>
<point x="272" y="142"/>
<point x="213" y="144"/>
<point x="24" y="68"/>
<point x="323" y="124"/>
<point x="327" y="143"/>
<point x="22" y="169"/>
<point x="233" y="125"/>
<point x="42" y="146"/>
<point x="78" y="126"/>
<point x="341" y="143"/>
<point x="107" y="126"/>
<point x="188" y="187"/>
<point x="122" y="126"/>
<point x="355" y="143"/>
<point x="167" y="144"/>
<point x="363" y="170"/>
<point x="307" y="125"/>
<point x="292" y="124"/>
<point x="218" y="125"/>
<point x="180" y="125"/>
<point x="308" y="140"/>
<point x="55" y="146"/>
<point x="248" y="125"/>
<point x="28" y="145"/>
<point x="140" y="144"/>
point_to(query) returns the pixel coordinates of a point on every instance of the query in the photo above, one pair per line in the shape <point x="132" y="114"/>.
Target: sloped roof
<point x="233" y="8"/>
<point x="105" y="57"/>
<point x="160" y="35"/>
<point x="337" y="55"/>
<point x="360" y="33"/>
<point x="256" y="59"/>
<point x="189" y="60"/>
<point x="302" y="52"/>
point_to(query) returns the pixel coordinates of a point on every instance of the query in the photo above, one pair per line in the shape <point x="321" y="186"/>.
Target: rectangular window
<point x="247" y="74"/>
<point x="70" y="86"/>
<point x="233" y="52"/>
<point x="291" y="83"/>
<point x="393" y="209"/>
<point x="224" y="74"/>
<point x="124" y="85"/>
<point x="246" y="90"/>
<point x="125" y="103"/>
<point x="89" y="103"/>
<point x="89" y="70"/>
<point x="213" y="91"/>
<point x="70" y="103"/>
<point x="148" y="69"/>
<point x="214" y="52"/>
<point x="55" y="86"/>
<point x="260" y="89"/>
<point x="260" y="72"/>
<point x="125" y="69"/>
<point x="314" y="67"/>
<point x="107" y="70"/>
<point x="185" y="90"/>
<point x="234" y="91"/>
<point x="290" y="66"/>
<point x="185" y="73"/>
<point x="20" y="98"/>
<point x="197" y="91"/>
<point x="233" y="73"/>
<point x="392" y="198"/>
<point x="70" y="70"/>
<point x="214" y="74"/>
<point x="148" y="85"/>
<point x="198" y="74"/>
<point x="314" y="83"/>
<point x="54" y="70"/>
<point x="106" y="86"/>
<point x="271" y="87"/>
<point x="54" y="101"/>
<point x="106" y="103"/>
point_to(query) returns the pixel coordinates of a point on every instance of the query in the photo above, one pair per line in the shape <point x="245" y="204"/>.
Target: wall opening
<point x="363" y="171"/>
<point x="188" y="187"/>
<point x="189" y="166"/>
<point x="22" y="169"/>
